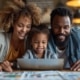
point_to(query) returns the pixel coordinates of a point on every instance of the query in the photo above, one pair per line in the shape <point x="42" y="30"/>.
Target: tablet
<point x="41" y="64"/>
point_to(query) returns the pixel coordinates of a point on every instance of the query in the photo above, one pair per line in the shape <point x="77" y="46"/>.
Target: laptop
<point x="40" y="64"/>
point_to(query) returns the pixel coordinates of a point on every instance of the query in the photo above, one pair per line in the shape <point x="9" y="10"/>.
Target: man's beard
<point x="61" y="43"/>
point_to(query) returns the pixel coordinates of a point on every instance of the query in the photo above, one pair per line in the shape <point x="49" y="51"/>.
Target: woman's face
<point x="22" y="27"/>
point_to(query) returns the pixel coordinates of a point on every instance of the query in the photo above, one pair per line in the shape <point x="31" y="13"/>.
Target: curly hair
<point x="13" y="10"/>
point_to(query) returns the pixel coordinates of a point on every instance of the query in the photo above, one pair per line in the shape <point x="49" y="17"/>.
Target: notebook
<point x="41" y="64"/>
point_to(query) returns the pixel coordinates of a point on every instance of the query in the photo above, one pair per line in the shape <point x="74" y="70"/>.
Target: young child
<point x="38" y="40"/>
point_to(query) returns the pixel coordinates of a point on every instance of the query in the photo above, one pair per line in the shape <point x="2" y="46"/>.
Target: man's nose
<point x="61" y="30"/>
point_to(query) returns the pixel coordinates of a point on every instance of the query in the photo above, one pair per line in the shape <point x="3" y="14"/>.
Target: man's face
<point x="61" y="26"/>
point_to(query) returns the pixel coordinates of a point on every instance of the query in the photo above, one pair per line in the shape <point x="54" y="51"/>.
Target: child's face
<point x="39" y="43"/>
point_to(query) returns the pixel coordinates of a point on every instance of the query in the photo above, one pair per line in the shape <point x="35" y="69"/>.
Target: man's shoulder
<point x="75" y="29"/>
<point x="76" y="32"/>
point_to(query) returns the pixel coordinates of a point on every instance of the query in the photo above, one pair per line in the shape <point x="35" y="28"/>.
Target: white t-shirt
<point x="60" y="53"/>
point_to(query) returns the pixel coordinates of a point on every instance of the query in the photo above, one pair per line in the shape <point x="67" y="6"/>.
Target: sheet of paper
<point x="70" y="75"/>
<point x="40" y="75"/>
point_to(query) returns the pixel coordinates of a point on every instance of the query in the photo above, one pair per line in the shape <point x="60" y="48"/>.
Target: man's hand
<point x="76" y="66"/>
<point x="6" y="66"/>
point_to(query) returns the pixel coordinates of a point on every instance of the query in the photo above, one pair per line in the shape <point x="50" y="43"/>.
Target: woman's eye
<point x="28" y="26"/>
<point x="20" y="25"/>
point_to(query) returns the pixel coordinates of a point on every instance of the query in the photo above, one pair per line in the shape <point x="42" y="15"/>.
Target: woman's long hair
<point x="11" y="12"/>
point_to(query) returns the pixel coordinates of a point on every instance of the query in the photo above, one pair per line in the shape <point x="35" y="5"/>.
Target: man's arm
<point x="76" y="66"/>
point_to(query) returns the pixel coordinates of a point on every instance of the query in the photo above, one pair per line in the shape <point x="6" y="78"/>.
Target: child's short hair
<point x="42" y="28"/>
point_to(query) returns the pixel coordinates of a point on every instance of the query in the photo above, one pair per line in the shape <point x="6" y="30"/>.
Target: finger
<point x="78" y="69"/>
<point x="3" y="66"/>
<point x="6" y="66"/>
<point x="7" y="63"/>
<point x="11" y="64"/>
<point x="0" y="68"/>
<point x="75" y="65"/>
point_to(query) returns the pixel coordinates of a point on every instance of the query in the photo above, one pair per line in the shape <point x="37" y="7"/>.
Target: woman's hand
<point x="6" y="66"/>
<point x="0" y="67"/>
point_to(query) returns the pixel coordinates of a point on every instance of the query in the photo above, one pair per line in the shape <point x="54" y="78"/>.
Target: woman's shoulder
<point x="3" y="36"/>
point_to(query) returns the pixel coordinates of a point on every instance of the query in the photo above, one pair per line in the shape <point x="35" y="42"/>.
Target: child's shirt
<point x="30" y="54"/>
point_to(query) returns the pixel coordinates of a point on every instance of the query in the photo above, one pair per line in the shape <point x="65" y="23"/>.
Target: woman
<point x="16" y="21"/>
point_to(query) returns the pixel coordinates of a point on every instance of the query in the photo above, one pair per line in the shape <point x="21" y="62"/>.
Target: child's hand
<point x="6" y="66"/>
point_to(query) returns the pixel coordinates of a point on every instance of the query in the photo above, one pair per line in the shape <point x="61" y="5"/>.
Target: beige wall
<point x="41" y="3"/>
<point x="2" y="3"/>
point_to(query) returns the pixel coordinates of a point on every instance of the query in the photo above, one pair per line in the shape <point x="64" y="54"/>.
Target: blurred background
<point x="47" y="5"/>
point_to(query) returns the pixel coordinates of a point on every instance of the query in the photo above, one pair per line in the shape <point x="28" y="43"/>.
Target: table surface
<point x="40" y="75"/>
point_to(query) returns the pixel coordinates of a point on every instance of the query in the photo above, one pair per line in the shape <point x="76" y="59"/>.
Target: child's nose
<point x="40" y="44"/>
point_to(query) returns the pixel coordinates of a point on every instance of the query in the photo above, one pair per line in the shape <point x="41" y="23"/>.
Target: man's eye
<point x="66" y="27"/>
<point x="56" y="26"/>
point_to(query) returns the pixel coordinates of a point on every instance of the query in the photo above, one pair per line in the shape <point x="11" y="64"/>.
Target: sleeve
<point x="51" y="55"/>
<point x="54" y="56"/>
<point x="2" y="46"/>
<point x="28" y="55"/>
<point x="76" y="30"/>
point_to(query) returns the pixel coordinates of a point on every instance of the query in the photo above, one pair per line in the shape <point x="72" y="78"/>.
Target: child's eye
<point x="36" y="42"/>
<point x="43" y="42"/>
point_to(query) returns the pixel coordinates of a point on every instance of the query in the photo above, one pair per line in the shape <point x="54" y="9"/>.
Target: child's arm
<point x="28" y="55"/>
<point x="53" y="55"/>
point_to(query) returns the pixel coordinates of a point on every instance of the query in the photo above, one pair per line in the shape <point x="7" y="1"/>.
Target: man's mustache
<point x="60" y="35"/>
